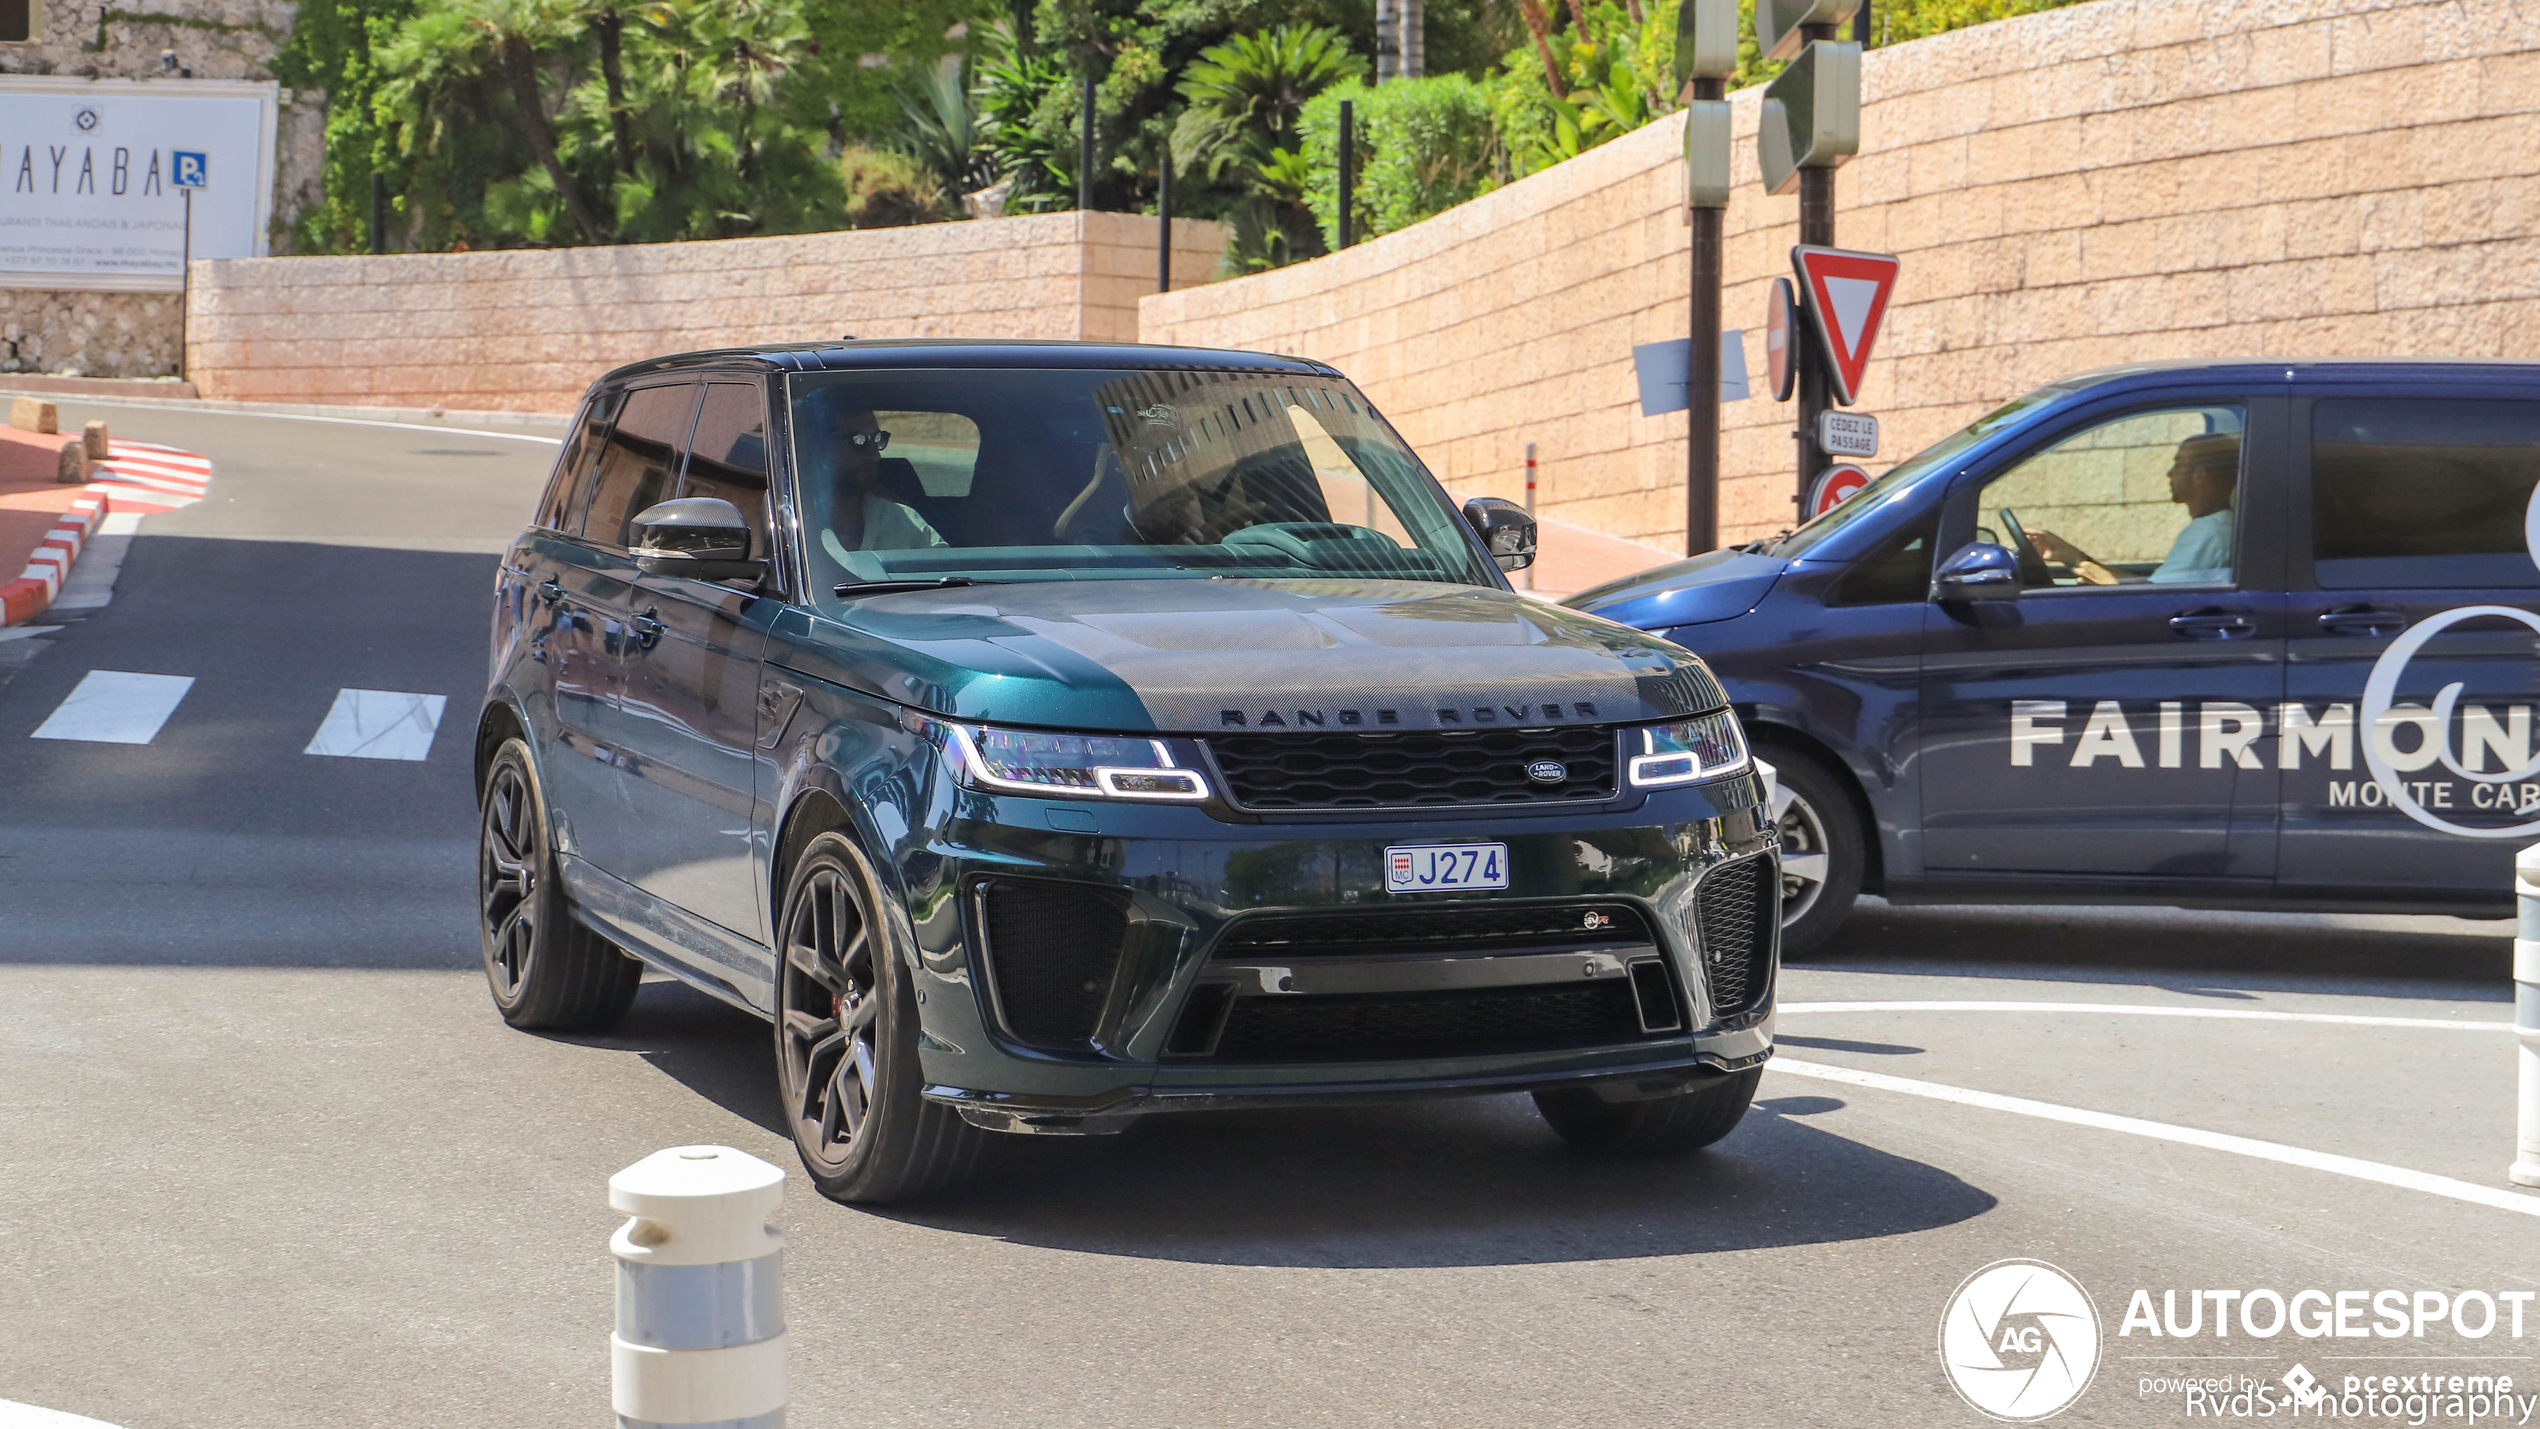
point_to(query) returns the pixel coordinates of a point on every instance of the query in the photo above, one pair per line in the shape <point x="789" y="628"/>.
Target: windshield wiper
<point x="848" y="590"/>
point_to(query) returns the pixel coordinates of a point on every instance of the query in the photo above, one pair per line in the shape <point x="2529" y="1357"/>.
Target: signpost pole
<point x="1164" y="224"/>
<point x="1348" y="159"/>
<point x="1816" y="230"/>
<point x="1530" y="503"/>
<point x="1085" y="150"/>
<point x="1702" y="371"/>
<point x="185" y="289"/>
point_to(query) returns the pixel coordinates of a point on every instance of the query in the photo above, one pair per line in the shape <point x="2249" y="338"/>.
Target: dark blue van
<point x="2246" y="634"/>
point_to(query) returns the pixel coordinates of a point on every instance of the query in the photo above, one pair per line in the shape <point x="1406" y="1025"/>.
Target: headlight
<point x="1074" y="766"/>
<point x="1687" y="750"/>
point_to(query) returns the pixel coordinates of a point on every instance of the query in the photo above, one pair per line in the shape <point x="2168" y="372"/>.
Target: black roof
<point x="847" y="354"/>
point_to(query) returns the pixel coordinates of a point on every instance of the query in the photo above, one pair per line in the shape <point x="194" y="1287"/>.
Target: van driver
<point x="2204" y="478"/>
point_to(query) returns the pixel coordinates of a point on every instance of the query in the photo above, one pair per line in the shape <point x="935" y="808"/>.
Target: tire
<point x="1661" y="1126"/>
<point x="846" y="1044"/>
<point x="1825" y="850"/>
<point x="547" y="972"/>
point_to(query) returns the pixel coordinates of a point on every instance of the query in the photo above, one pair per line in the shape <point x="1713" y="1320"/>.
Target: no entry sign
<point x="1833" y="486"/>
<point x="1846" y="294"/>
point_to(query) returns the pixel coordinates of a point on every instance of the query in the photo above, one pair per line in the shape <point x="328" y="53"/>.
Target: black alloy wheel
<point x="546" y="970"/>
<point x="1824" y="849"/>
<point x="846" y="1044"/>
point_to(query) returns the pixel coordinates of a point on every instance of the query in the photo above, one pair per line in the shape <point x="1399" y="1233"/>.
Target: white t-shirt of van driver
<point x="2202" y="552"/>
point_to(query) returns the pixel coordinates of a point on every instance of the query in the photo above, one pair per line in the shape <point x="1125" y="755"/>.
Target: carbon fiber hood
<point x="1197" y="656"/>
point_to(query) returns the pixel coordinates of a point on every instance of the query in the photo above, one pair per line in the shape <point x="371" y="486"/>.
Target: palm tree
<point x="445" y="63"/>
<point x="1244" y="96"/>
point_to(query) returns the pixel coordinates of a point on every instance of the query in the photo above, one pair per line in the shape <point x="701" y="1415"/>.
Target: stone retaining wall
<point x="527" y="330"/>
<point x="2118" y="181"/>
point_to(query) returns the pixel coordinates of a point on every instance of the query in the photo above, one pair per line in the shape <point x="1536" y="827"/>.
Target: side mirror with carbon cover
<point x="1978" y="571"/>
<point x="701" y="537"/>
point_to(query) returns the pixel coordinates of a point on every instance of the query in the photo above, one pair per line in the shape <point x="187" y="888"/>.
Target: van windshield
<point x="1905" y="473"/>
<point x="1077" y="474"/>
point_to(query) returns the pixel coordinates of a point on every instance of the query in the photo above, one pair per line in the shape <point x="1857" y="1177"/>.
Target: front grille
<point x="1435" y="930"/>
<point x="1310" y="1029"/>
<point x="1412" y="769"/>
<point x="1053" y="949"/>
<point x="1736" y="908"/>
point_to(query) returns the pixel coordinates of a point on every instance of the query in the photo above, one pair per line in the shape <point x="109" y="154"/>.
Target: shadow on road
<point x="2187" y="951"/>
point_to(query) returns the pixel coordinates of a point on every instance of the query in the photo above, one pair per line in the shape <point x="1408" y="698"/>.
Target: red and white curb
<point x="146" y="477"/>
<point x="28" y="596"/>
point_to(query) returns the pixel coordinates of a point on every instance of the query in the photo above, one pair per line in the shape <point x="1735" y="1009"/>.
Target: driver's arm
<point x="2055" y="549"/>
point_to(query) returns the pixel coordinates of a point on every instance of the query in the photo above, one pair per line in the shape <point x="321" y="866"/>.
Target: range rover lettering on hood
<point x="1550" y="712"/>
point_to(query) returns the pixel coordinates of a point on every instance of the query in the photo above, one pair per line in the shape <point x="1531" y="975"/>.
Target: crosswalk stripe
<point x="116" y="707"/>
<point x="379" y="724"/>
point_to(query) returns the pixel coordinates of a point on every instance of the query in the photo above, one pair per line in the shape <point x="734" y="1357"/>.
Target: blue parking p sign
<point x="187" y="170"/>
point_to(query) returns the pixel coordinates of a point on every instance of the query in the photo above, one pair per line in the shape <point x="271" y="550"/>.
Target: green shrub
<point x="887" y="188"/>
<point x="1424" y="146"/>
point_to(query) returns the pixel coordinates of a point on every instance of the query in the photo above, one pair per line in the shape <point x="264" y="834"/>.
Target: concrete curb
<point x="31" y="594"/>
<point x="543" y="423"/>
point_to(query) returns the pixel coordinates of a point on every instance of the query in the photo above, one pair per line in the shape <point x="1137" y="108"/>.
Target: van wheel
<point x="1824" y="849"/>
<point x="546" y="971"/>
<point x="846" y="1044"/>
<point x="1687" y="1121"/>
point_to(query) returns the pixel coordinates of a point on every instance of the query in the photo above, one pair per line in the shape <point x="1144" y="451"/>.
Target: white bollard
<point x="2526" y="1168"/>
<point x="700" y="1340"/>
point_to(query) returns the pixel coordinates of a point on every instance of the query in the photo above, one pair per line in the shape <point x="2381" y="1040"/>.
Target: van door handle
<point x="648" y="629"/>
<point x="2362" y="620"/>
<point x="2214" y="624"/>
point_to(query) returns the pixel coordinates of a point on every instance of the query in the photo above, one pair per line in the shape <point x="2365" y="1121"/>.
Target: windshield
<point x="1896" y="478"/>
<point x="1111" y="475"/>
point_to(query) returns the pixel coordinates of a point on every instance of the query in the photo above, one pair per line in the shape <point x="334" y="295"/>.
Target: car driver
<point x="842" y="467"/>
<point x="2204" y="478"/>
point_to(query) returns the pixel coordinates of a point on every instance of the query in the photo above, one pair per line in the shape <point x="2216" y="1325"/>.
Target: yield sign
<point x="1847" y="292"/>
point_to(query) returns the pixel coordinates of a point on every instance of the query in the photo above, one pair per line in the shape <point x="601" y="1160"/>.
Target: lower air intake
<point x="1736" y="912"/>
<point x="1310" y="1029"/>
<point x="1053" y="950"/>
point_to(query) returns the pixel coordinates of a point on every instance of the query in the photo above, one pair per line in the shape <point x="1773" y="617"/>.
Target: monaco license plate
<point x="1437" y="868"/>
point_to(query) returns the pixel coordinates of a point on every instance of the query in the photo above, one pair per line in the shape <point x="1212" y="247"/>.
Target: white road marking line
<point x="116" y="707"/>
<point x="379" y="724"/>
<point x="2329" y="1162"/>
<point x="2134" y="1009"/>
<point x="14" y="1415"/>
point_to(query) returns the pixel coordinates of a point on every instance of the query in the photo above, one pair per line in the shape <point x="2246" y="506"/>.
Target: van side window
<point x="1897" y="573"/>
<point x="569" y="489"/>
<point x="2425" y="493"/>
<point x="728" y="456"/>
<point x="2146" y="498"/>
<point x="640" y="460"/>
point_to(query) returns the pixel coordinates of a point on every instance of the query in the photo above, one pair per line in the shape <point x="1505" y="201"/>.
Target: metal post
<point x="185" y="289"/>
<point x="2526" y="1168"/>
<point x="1702" y="368"/>
<point x="1349" y="172"/>
<point x="1861" y="25"/>
<point x="1530" y="505"/>
<point x="1085" y="151"/>
<point x="1816" y="230"/>
<point x="378" y="212"/>
<point x="1164" y="223"/>
<point x="700" y="1291"/>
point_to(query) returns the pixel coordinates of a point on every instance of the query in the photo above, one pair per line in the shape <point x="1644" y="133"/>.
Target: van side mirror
<point x="1978" y="571"/>
<point x="1507" y="532"/>
<point x="704" y="538"/>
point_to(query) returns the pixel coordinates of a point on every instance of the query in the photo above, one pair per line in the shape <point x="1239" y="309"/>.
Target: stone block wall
<point x="2117" y="181"/>
<point x="527" y="330"/>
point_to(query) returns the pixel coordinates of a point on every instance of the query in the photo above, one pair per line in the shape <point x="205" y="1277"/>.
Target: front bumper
<point x="1186" y="884"/>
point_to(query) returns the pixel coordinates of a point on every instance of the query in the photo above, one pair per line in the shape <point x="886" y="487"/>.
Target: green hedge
<point x="1424" y="146"/>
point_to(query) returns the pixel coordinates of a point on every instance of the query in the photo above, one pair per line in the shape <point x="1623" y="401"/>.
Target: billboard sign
<point x="93" y="176"/>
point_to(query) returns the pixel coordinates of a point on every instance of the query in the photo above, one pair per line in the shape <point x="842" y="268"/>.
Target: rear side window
<point x="728" y="456"/>
<point x="569" y="490"/>
<point x="639" y="459"/>
<point x="2426" y="494"/>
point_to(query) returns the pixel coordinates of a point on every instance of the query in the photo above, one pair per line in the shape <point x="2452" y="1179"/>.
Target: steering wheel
<point x="2033" y="570"/>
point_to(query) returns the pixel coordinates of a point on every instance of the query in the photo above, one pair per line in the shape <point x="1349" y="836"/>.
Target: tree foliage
<point x="1423" y="146"/>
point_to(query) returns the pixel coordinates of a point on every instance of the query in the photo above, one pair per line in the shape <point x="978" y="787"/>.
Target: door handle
<point x="551" y="590"/>
<point x="648" y="629"/>
<point x="2362" y="620"/>
<point x="2214" y="624"/>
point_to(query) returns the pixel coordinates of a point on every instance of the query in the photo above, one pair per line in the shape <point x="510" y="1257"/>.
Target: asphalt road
<point x="268" y="1158"/>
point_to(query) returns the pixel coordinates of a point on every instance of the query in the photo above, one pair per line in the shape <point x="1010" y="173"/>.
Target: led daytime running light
<point x="1158" y="781"/>
<point x="1674" y="753"/>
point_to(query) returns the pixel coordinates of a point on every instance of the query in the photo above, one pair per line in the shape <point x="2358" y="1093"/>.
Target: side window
<point x="569" y="490"/>
<point x="1897" y="573"/>
<point x="728" y="455"/>
<point x="637" y="463"/>
<point x="2149" y="497"/>
<point x="2425" y="494"/>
